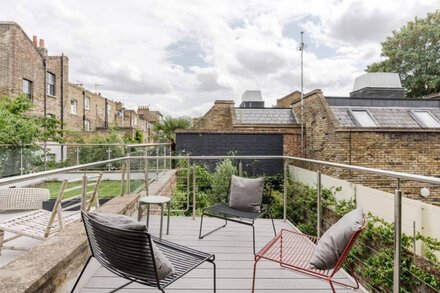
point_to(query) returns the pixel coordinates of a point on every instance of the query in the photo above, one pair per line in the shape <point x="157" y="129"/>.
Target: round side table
<point x="159" y="200"/>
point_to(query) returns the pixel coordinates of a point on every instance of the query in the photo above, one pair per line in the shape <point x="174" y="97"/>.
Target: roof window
<point x="363" y="118"/>
<point x="426" y="119"/>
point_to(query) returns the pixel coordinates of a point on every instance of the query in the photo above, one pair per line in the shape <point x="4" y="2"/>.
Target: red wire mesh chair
<point x="293" y="250"/>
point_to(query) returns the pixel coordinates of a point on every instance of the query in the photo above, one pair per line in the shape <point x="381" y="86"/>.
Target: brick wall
<point x="75" y="121"/>
<point x="96" y="114"/>
<point x="219" y="117"/>
<point x="286" y="102"/>
<point x="20" y="60"/>
<point x="411" y="152"/>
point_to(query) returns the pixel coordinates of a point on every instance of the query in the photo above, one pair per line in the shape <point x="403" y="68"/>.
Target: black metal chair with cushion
<point x="133" y="254"/>
<point x="256" y="204"/>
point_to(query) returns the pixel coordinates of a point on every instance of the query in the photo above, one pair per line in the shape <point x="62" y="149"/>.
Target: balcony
<point x="137" y="174"/>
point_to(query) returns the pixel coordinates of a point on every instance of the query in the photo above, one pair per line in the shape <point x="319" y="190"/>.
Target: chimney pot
<point x="41" y="43"/>
<point x="35" y="41"/>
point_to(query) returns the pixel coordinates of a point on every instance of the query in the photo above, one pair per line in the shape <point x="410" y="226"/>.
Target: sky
<point x="178" y="57"/>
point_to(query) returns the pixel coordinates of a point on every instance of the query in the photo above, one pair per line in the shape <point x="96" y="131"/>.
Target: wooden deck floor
<point x="232" y="247"/>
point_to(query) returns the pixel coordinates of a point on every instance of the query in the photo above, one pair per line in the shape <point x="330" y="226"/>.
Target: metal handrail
<point x="15" y="179"/>
<point x="392" y="174"/>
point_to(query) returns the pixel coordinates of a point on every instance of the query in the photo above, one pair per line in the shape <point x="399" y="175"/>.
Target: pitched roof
<point x="268" y="116"/>
<point x="385" y="117"/>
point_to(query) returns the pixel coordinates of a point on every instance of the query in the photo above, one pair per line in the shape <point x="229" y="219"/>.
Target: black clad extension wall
<point x="220" y="144"/>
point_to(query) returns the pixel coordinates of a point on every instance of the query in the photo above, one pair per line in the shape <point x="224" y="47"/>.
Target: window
<point x="27" y="88"/>
<point x="86" y="125"/>
<point x="87" y="103"/>
<point x="73" y="107"/>
<point x="363" y="118"/>
<point x="425" y="119"/>
<point x="51" y="84"/>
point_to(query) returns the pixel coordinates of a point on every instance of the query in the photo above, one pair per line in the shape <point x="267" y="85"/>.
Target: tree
<point x="166" y="129"/>
<point x="17" y="127"/>
<point x="414" y="53"/>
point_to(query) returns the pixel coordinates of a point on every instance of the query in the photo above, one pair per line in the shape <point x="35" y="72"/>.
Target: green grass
<point x="106" y="189"/>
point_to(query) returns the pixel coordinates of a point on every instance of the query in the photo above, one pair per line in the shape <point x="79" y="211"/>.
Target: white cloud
<point x="179" y="56"/>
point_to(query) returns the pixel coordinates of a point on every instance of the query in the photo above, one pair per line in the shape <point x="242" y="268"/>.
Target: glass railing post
<point x="45" y="156"/>
<point x="318" y="207"/>
<point x="188" y="181"/>
<point x="146" y="175"/>
<point x="397" y="237"/>
<point x="194" y="193"/>
<point x="240" y="169"/>
<point x="286" y="174"/>
<point x="123" y="184"/>
<point x="164" y="159"/>
<point x="77" y="155"/>
<point x="171" y="160"/>
<point x="84" y="191"/>
<point x="157" y="162"/>
<point x="109" y="156"/>
<point x="21" y="159"/>
<point x="128" y="173"/>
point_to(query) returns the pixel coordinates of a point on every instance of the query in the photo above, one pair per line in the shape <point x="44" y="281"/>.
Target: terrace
<point x="140" y="172"/>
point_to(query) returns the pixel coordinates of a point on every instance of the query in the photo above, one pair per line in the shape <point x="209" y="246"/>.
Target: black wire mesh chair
<point x="225" y="212"/>
<point x="129" y="254"/>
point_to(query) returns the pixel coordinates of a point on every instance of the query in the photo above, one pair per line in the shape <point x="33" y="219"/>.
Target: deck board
<point x="232" y="247"/>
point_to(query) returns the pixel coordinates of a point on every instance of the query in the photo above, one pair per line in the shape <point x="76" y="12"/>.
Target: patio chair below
<point x="246" y="217"/>
<point x="131" y="254"/>
<point x="294" y="250"/>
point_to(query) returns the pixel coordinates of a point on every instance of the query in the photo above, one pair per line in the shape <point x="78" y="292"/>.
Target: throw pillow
<point x="246" y="194"/>
<point x="164" y="267"/>
<point x="118" y="221"/>
<point x="331" y="245"/>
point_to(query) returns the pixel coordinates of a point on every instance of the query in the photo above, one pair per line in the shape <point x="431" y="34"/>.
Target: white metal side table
<point x="159" y="200"/>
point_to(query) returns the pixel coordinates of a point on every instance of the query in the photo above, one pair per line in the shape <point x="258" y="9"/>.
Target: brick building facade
<point x="249" y="129"/>
<point x="397" y="142"/>
<point x="26" y="68"/>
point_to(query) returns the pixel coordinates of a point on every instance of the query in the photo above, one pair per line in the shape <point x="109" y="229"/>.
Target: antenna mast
<point x="301" y="48"/>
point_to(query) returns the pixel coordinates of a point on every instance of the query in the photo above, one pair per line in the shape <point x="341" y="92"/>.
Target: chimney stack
<point x="40" y="48"/>
<point x="35" y="41"/>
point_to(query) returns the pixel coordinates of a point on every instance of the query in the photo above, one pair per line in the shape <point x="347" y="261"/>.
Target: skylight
<point x="363" y="118"/>
<point x="426" y="119"/>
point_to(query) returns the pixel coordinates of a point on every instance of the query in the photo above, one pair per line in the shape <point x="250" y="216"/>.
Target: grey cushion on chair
<point x="164" y="267"/>
<point x="246" y="193"/>
<point x="332" y="244"/>
<point x="118" y="221"/>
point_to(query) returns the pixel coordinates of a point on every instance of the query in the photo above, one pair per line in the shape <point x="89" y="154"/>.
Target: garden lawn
<point x="106" y="189"/>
